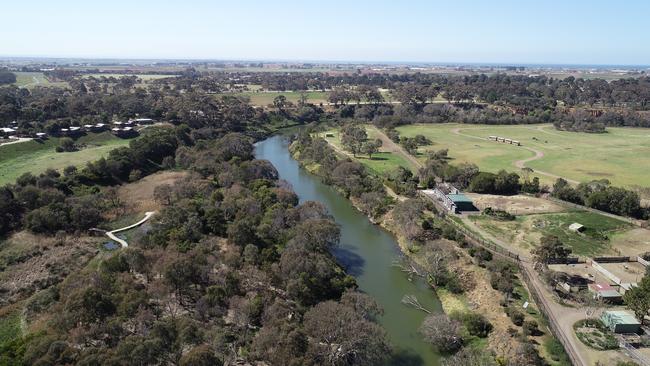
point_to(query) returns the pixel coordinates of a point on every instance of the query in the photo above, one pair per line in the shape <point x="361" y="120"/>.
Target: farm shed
<point x="5" y="131"/>
<point x="461" y="202"/>
<point x="578" y="228"/>
<point x="620" y="321"/>
<point x="606" y="292"/>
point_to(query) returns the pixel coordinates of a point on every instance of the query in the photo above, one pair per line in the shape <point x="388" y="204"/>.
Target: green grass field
<point x="380" y="163"/>
<point x="33" y="79"/>
<point x="526" y="230"/>
<point x="266" y="98"/>
<point x="36" y="157"/>
<point x="621" y="155"/>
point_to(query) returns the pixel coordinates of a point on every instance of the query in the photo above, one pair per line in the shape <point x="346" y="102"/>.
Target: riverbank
<point x="479" y="295"/>
<point x="368" y="253"/>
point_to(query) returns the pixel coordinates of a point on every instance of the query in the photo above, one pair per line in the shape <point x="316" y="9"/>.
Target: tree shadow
<point x="405" y="358"/>
<point x="351" y="261"/>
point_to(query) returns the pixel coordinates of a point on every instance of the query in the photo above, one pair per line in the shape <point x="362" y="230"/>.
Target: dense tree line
<point x="349" y="176"/>
<point x="599" y="194"/>
<point x="233" y="270"/>
<point x="7" y="77"/>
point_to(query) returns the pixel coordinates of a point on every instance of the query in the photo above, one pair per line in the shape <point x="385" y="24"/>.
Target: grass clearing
<point x="526" y="231"/>
<point x="381" y="162"/>
<point x="33" y="79"/>
<point x="619" y="155"/>
<point x="36" y="157"/>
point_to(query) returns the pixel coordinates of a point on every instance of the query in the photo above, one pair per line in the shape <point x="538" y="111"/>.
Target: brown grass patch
<point x="34" y="262"/>
<point x="516" y="205"/>
<point x="138" y="196"/>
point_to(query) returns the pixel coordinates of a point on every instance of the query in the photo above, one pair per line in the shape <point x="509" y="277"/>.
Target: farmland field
<point x="621" y="155"/>
<point x="32" y="79"/>
<point x="36" y="157"/>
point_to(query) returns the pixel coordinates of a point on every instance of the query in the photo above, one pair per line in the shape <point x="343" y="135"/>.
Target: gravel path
<point x="123" y="243"/>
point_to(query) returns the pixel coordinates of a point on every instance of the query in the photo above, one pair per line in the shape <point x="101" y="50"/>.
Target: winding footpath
<point x="123" y="243"/>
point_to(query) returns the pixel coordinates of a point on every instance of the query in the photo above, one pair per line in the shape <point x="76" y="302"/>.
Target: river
<point x="367" y="252"/>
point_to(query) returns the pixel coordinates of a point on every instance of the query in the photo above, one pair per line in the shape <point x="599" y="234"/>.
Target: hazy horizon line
<point x="311" y="61"/>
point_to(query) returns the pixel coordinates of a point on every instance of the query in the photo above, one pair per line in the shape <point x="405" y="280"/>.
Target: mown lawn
<point x="36" y="157"/>
<point x="621" y="155"/>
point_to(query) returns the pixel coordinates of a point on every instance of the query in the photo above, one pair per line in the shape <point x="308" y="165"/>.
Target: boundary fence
<point x="548" y="315"/>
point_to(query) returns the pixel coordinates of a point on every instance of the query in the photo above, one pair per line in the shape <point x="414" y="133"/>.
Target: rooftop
<point x="459" y="198"/>
<point x="621" y="317"/>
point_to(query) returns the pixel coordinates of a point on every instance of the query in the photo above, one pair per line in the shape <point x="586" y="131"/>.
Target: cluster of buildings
<point x="120" y="129"/>
<point x="450" y="198"/>
<point x="127" y="129"/>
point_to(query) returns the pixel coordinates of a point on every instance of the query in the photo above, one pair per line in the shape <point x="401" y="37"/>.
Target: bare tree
<point x="442" y="332"/>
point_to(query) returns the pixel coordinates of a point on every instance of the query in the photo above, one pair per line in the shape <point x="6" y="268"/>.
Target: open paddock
<point x="621" y="155"/>
<point x="628" y="272"/>
<point x="584" y="270"/>
<point x="632" y="242"/>
<point x="526" y="231"/>
<point x="516" y="205"/>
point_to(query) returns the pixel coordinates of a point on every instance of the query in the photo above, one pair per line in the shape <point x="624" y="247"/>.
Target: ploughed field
<point x="622" y="155"/>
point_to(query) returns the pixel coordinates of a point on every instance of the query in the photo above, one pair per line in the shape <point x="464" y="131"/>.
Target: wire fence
<point x="552" y="321"/>
<point x="640" y="223"/>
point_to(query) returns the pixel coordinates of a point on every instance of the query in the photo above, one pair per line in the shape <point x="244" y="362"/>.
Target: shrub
<point x="477" y="325"/>
<point x="516" y="316"/>
<point x="531" y="328"/>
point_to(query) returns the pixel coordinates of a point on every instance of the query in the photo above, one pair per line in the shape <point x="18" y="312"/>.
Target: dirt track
<point x="521" y="163"/>
<point x="390" y="146"/>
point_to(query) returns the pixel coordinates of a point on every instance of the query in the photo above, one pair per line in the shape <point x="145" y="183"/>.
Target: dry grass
<point x="32" y="260"/>
<point x="631" y="242"/>
<point x="138" y="196"/>
<point x="516" y="205"/>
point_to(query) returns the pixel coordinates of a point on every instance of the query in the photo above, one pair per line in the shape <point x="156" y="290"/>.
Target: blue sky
<point x="499" y="31"/>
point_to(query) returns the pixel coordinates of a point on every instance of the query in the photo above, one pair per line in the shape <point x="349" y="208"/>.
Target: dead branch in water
<point x="411" y="300"/>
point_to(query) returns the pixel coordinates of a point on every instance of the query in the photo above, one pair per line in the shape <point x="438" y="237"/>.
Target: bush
<point x="531" y="328"/>
<point x="66" y="145"/>
<point x="516" y="316"/>
<point x="477" y="325"/>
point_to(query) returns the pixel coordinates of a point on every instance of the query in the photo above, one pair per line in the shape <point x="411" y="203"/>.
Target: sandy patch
<point x="516" y="205"/>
